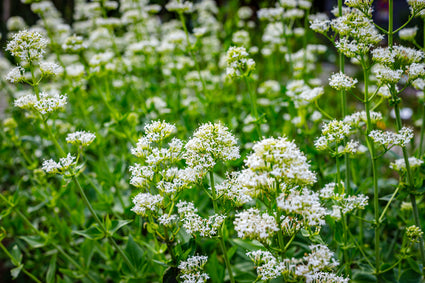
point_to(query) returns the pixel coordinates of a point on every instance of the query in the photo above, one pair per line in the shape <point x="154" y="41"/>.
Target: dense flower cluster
<point x="255" y="225"/>
<point x="194" y="224"/>
<point x="390" y="139"/>
<point x="210" y="144"/>
<point x="238" y="63"/>
<point x="192" y="269"/>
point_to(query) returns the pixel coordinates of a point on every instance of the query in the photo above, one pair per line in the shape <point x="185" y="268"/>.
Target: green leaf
<point x="214" y="269"/>
<point x="363" y="277"/>
<point x="231" y="252"/>
<point x="35" y="241"/>
<point x="388" y="276"/>
<point x="16" y="254"/>
<point x="51" y="271"/>
<point x="92" y="233"/>
<point x="15" y="271"/>
<point x="410" y="276"/>
<point x="248" y="245"/>
<point x="414" y="265"/>
<point x="134" y="253"/>
<point x="107" y="222"/>
<point x="5" y="212"/>
<point x="117" y="224"/>
<point x="87" y="251"/>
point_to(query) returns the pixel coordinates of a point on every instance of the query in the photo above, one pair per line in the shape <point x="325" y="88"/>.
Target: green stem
<point x="347" y="262"/>
<point x="170" y="246"/>
<point x="390" y="23"/>
<point x="412" y="186"/>
<point x="421" y="143"/>
<point x="102" y="226"/>
<point x="53" y="138"/>
<point x="254" y="112"/>
<point x="371" y="147"/>
<point x="388" y="204"/>
<point x="220" y="234"/>
<point x="198" y="68"/>
<point x="279" y="222"/>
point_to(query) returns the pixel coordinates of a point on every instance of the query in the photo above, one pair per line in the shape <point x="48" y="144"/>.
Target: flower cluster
<point x="210" y="144"/>
<point x="252" y="224"/>
<point x="304" y="205"/>
<point x="61" y="167"/>
<point x="82" y="138"/>
<point x="414" y="233"/>
<point x="233" y="189"/>
<point x="341" y="202"/>
<point x="302" y="94"/>
<point x="193" y="223"/>
<point x="192" y="269"/>
<point x="333" y="135"/>
<point x="400" y="165"/>
<point x="340" y="81"/>
<point x="389" y="139"/>
<point x="313" y="267"/>
<point x="277" y="159"/>
<point x="238" y="63"/>
<point x="45" y="103"/>
<point x="28" y="46"/>
<point x="144" y="202"/>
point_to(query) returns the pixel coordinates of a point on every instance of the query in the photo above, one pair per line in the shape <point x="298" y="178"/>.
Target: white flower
<point x="52" y="167"/>
<point x="270" y="14"/>
<point x="50" y="69"/>
<point x="16" y="75"/>
<point x="193" y="223"/>
<point x="277" y="158"/>
<point x="416" y="70"/>
<point x="179" y="6"/>
<point x="27" y="46"/>
<point x="144" y="202"/>
<point x="268" y="266"/>
<point x="340" y="81"/>
<point x="386" y="75"/>
<point x="233" y="190"/>
<point x="254" y="225"/>
<point x="210" y="143"/>
<point x="333" y="133"/>
<point x="320" y="23"/>
<point x="46" y="104"/>
<point x="305" y="204"/>
<point x="81" y="138"/>
<point x="167" y="220"/>
<point x="400" y="166"/>
<point x="74" y="44"/>
<point x="383" y="55"/>
<point x="192" y="269"/>
<point x="390" y="139"/>
<point x="238" y="63"/>
<point x="416" y="6"/>
<point x="356" y="118"/>
<point x="408" y="34"/>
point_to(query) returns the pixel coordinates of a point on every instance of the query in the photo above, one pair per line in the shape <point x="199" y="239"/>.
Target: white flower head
<point x="46" y="103"/>
<point x="252" y="224"/>
<point x="144" y="202"/>
<point x="341" y="81"/>
<point x="210" y="143"/>
<point x="27" y="46"/>
<point x="52" y="167"/>
<point x="238" y="63"/>
<point x="192" y="269"/>
<point x="82" y="138"/>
